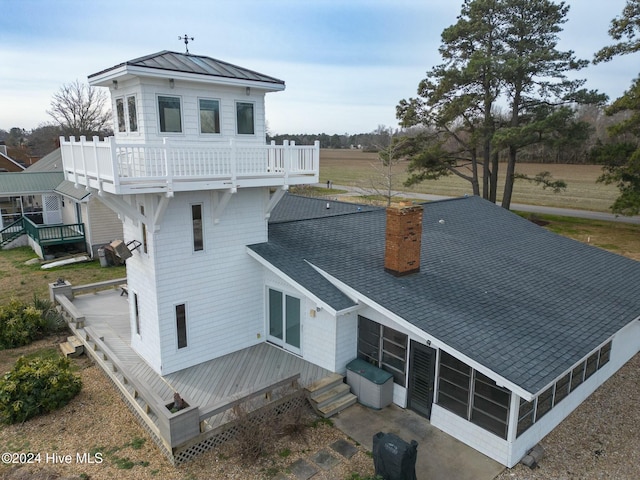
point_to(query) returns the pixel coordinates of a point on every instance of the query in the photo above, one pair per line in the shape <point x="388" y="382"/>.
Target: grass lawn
<point x="24" y="281"/>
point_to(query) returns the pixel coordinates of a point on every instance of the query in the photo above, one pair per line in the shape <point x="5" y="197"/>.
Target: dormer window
<point x="170" y="115"/>
<point x="127" y="111"/>
<point x="245" y="118"/>
<point x="209" y="116"/>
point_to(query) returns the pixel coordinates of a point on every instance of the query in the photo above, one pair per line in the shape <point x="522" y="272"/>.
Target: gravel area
<point x="601" y="439"/>
<point x="97" y="422"/>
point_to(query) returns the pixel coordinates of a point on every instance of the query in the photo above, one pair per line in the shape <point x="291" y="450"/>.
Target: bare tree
<point x="81" y="109"/>
<point x="390" y="155"/>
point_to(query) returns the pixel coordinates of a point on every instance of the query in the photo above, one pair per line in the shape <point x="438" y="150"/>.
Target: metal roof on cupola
<point x="185" y="66"/>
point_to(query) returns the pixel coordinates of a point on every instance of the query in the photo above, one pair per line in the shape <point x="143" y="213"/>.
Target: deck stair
<point x="73" y="347"/>
<point x="330" y="395"/>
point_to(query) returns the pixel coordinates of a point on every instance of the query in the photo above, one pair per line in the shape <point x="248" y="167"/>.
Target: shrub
<point x="20" y="324"/>
<point x="53" y="321"/>
<point x="36" y="386"/>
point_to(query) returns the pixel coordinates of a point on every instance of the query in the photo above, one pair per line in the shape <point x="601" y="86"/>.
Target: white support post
<point x="168" y="165"/>
<point x="114" y="162"/>
<point x="96" y="139"/>
<point x="83" y="141"/>
<point x="286" y="152"/>
<point x="218" y="210"/>
<point x="159" y="213"/>
<point x="274" y="199"/>
<point x="234" y="163"/>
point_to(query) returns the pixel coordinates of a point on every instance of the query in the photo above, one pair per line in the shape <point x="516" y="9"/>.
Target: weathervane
<point x="186" y="39"/>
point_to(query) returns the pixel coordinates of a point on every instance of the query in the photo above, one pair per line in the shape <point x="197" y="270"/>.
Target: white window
<point x="209" y="115"/>
<point x="245" y="118"/>
<point x="169" y="113"/>
<point x="133" y="113"/>
<point x="181" y="325"/>
<point x="127" y="114"/>
<point x="196" y="220"/>
<point x="120" y="114"/>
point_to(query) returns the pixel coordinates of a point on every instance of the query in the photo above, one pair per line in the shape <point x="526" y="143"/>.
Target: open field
<point x="354" y="168"/>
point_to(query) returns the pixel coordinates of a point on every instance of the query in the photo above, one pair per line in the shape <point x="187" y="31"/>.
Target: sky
<point x="346" y="63"/>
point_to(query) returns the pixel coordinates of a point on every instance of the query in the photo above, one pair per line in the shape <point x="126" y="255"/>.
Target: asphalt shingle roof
<point x="522" y="301"/>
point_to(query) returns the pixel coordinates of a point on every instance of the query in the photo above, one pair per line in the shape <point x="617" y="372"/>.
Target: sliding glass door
<point x="284" y="320"/>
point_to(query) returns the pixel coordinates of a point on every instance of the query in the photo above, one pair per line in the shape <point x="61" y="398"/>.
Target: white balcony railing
<point x="133" y="168"/>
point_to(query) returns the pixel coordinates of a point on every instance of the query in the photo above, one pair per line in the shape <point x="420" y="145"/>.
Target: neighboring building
<point x="58" y="213"/>
<point x="8" y="164"/>
<point x="492" y="327"/>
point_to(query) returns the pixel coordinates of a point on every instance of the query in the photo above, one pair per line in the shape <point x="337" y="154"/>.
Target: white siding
<point x="141" y="280"/>
<point x="346" y="340"/>
<point x="478" y="438"/>
<point x="102" y="224"/>
<point x="68" y="210"/>
<point x="189" y="92"/>
<point x="221" y="286"/>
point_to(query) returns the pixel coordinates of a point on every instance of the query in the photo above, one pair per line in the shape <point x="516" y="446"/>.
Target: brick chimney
<point x="403" y="239"/>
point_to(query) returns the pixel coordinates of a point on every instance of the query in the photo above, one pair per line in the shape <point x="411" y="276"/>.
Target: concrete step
<point x="324" y="384"/>
<point x="338" y="405"/>
<point x="331" y="395"/>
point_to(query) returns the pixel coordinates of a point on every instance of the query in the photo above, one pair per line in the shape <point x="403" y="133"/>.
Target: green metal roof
<point x="26" y="183"/>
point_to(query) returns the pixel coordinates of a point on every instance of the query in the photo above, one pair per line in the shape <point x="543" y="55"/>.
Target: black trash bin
<point x="393" y="458"/>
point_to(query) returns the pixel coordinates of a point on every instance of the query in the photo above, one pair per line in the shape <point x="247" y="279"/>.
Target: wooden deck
<point x="207" y="387"/>
<point x="204" y="384"/>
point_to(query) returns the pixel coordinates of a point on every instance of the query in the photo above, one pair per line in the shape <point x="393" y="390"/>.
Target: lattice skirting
<point x="227" y="432"/>
<point x="224" y="433"/>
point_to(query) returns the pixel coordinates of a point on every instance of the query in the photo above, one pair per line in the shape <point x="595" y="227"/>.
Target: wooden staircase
<point x="73" y="347"/>
<point x="330" y="395"/>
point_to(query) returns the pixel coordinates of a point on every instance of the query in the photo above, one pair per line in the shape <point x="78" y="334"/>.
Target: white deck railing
<point x="120" y="168"/>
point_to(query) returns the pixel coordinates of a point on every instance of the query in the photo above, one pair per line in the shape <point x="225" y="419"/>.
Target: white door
<point x="51" y="209"/>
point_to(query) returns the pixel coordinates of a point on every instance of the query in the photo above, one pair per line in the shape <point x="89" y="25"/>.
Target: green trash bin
<point x="372" y="385"/>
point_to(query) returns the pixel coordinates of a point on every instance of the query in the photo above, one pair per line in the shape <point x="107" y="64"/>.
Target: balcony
<point x="123" y="169"/>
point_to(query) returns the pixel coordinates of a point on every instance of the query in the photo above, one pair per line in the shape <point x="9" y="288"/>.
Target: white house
<point x="491" y="327"/>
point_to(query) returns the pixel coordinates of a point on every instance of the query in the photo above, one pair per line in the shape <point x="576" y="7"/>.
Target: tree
<point x="621" y="159"/>
<point x="80" y="109"/>
<point x="391" y="152"/>
<point x="499" y="52"/>
<point x="44" y="139"/>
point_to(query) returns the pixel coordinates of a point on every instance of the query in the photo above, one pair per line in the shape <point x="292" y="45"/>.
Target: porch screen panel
<point x="394" y="354"/>
<point x="454" y="384"/>
<point x="368" y="340"/>
<point x="490" y="405"/>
